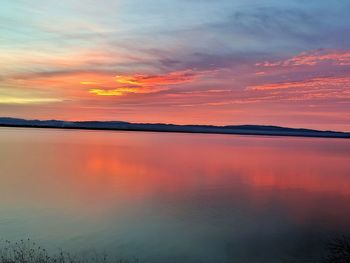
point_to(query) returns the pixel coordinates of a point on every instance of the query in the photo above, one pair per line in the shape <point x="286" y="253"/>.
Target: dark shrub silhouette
<point x="339" y="250"/>
<point x="26" y="251"/>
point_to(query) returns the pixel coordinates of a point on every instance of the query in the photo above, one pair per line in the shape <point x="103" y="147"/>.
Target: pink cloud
<point x="321" y="82"/>
<point x="312" y="58"/>
<point x="171" y="78"/>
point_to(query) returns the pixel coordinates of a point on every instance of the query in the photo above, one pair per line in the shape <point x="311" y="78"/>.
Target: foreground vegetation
<point x="26" y="251"/>
<point x="339" y="250"/>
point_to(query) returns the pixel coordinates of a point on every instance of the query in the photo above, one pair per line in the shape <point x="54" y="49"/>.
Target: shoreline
<point x="178" y="129"/>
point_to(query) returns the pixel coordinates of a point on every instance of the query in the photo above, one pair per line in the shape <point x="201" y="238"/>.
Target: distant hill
<point x="160" y="127"/>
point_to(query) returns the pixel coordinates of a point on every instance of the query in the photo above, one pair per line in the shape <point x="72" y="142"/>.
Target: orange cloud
<point x="322" y="82"/>
<point x="75" y="84"/>
<point x="123" y="91"/>
<point x="27" y="100"/>
<point x="142" y="83"/>
<point x="89" y="83"/>
<point x="101" y="92"/>
<point x="171" y="78"/>
<point x="312" y="58"/>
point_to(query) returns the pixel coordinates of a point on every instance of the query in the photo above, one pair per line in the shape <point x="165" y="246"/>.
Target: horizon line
<point x="179" y="125"/>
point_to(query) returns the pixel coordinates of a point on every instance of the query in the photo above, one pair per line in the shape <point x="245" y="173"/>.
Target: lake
<point x="168" y="197"/>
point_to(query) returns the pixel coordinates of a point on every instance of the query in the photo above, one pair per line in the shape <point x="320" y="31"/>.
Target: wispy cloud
<point x="106" y="83"/>
<point x="158" y="80"/>
<point x="328" y="82"/>
<point x="28" y="100"/>
<point x="313" y="58"/>
<point x="125" y="91"/>
<point x="143" y="83"/>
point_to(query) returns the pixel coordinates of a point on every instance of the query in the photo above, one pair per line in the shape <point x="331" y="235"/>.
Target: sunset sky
<point x="279" y="62"/>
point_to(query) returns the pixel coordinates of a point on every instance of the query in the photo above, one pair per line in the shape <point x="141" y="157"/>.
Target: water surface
<point x="166" y="197"/>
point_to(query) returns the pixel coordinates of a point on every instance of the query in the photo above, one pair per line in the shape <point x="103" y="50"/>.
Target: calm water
<point x="175" y="197"/>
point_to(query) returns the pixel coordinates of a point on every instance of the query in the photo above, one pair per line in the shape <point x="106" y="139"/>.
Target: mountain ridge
<point x="247" y="129"/>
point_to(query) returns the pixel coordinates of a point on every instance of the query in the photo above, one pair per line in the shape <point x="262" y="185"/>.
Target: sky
<point x="221" y="62"/>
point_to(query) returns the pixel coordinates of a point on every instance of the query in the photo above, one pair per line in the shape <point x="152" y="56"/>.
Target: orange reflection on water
<point x="302" y="177"/>
<point x="260" y="166"/>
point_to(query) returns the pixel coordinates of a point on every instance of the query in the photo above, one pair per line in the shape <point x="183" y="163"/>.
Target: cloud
<point x="89" y="83"/>
<point x="171" y="78"/>
<point x="322" y="82"/>
<point x="124" y="91"/>
<point x="263" y="21"/>
<point x="329" y="90"/>
<point x="28" y="100"/>
<point x="143" y="83"/>
<point x="313" y="58"/>
<point x="76" y="84"/>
